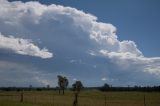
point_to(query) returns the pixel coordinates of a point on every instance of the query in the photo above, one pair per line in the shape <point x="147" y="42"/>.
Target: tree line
<point x="107" y="87"/>
<point x="63" y="83"/>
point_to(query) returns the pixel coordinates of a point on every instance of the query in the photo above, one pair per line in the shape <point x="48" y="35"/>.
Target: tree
<point x="62" y="83"/>
<point x="60" y="78"/>
<point x="77" y="86"/>
<point x="105" y="87"/>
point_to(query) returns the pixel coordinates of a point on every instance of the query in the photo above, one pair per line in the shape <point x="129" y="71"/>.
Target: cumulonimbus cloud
<point x="23" y="46"/>
<point x="69" y="32"/>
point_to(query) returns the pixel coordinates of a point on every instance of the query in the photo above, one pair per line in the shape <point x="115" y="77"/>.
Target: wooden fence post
<point x="53" y="100"/>
<point x="144" y="99"/>
<point x="75" y="102"/>
<point x="21" y="99"/>
<point x="105" y="103"/>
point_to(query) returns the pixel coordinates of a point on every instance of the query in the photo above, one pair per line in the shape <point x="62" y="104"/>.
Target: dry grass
<point x="86" y="98"/>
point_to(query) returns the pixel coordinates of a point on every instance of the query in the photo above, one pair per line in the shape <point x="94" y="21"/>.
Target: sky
<point x="97" y="42"/>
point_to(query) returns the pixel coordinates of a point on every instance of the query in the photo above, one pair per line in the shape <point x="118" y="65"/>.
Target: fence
<point x="49" y="99"/>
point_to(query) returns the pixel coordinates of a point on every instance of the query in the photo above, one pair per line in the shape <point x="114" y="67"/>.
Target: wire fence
<point x="36" y="99"/>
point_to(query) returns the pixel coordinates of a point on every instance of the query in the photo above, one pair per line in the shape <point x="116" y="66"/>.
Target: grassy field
<point x="86" y="98"/>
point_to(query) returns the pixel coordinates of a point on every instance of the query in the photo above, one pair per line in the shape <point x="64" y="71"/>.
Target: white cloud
<point x="103" y="79"/>
<point x="43" y="81"/>
<point x="23" y="46"/>
<point x="152" y="65"/>
<point x="127" y="59"/>
<point x="129" y="46"/>
<point x="73" y="61"/>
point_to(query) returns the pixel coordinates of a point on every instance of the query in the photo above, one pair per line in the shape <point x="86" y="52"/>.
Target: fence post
<point x="53" y="100"/>
<point x="144" y="99"/>
<point x="105" y="100"/>
<point x="75" y="102"/>
<point x="21" y="99"/>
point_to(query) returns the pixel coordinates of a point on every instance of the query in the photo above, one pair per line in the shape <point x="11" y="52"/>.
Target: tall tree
<point x="62" y="83"/>
<point x="77" y="86"/>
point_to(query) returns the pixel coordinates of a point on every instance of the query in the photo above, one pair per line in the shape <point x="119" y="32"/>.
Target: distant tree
<point x="60" y="80"/>
<point x="77" y="86"/>
<point x="105" y="87"/>
<point x="65" y="83"/>
<point x="62" y="83"/>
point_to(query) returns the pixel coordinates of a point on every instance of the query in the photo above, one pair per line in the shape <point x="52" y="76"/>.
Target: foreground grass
<point x="86" y="98"/>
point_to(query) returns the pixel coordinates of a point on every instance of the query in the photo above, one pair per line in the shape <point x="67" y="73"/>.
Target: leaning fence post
<point x="75" y="102"/>
<point x="21" y="99"/>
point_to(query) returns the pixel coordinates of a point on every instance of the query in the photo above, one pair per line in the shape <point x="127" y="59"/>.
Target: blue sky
<point x="107" y="41"/>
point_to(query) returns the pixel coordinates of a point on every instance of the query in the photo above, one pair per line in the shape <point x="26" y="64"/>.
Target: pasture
<point x="86" y="98"/>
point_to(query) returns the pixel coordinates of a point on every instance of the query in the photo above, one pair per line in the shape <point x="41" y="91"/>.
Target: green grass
<point x="86" y="98"/>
